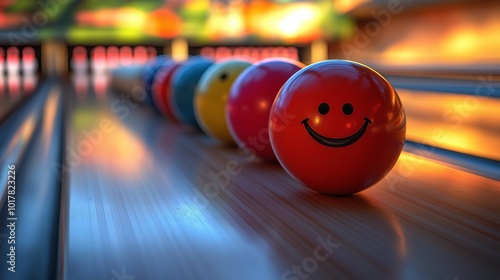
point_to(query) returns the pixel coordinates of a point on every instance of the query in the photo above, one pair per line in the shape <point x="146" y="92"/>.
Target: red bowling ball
<point x="337" y="126"/>
<point x="162" y="92"/>
<point x="250" y="100"/>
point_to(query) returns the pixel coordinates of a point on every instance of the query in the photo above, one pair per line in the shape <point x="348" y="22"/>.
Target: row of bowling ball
<point x="229" y="100"/>
<point x="337" y="126"/>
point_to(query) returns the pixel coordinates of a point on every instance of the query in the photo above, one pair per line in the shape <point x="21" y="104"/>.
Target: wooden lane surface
<point x="144" y="202"/>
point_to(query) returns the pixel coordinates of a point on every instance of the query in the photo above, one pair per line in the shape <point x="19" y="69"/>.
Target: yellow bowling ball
<point x="211" y="96"/>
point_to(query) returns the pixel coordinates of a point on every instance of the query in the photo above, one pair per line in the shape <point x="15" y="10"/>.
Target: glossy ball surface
<point x="162" y="90"/>
<point x="183" y="88"/>
<point x="250" y="101"/>
<point x="149" y="75"/>
<point x="211" y="97"/>
<point x="337" y="126"/>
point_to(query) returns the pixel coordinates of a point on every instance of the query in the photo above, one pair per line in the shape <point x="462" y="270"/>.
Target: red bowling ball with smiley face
<point x="337" y="126"/>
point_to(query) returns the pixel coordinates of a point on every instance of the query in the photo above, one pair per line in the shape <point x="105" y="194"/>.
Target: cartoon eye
<point x="323" y="108"/>
<point x="223" y="76"/>
<point x="347" y="108"/>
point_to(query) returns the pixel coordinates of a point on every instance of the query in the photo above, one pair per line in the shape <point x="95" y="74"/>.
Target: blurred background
<point x="126" y="202"/>
<point x="447" y="36"/>
<point x="401" y="38"/>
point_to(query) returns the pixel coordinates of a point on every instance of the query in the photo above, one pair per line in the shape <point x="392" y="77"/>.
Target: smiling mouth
<point x="335" y="142"/>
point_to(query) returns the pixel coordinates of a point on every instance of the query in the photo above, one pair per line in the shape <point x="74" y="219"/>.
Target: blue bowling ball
<point x="183" y="88"/>
<point x="149" y="75"/>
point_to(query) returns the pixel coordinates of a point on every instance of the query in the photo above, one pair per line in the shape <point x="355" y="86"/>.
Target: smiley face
<point x="347" y="109"/>
<point x="337" y="126"/>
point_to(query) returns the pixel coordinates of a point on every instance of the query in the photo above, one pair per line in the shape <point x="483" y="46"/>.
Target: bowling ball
<point x="161" y="90"/>
<point x="183" y="88"/>
<point x="149" y="76"/>
<point x="211" y="97"/>
<point x="250" y="101"/>
<point x="337" y="126"/>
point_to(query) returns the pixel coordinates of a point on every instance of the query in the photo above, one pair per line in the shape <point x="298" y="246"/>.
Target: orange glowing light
<point x="459" y="39"/>
<point x="292" y="22"/>
<point x="467" y="124"/>
<point x="123" y="17"/>
<point x="249" y="53"/>
<point x="113" y="147"/>
<point x="163" y="23"/>
<point x="121" y="151"/>
<point x="480" y="42"/>
<point x="297" y="20"/>
<point x="226" y="20"/>
<point x="344" y="6"/>
<point x="263" y="104"/>
<point x="49" y="115"/>
<point x="23" y="135"/>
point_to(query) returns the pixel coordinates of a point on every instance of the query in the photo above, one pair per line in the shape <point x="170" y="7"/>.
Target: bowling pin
<point x="79" y="60"/>
<point x="14" y="85"/>
<point x="12" y="60"/>
<point x="112" y="57"/>
<point x="29" y="61"/>
<point x="30" y="79"/>
<point x="140" y="55"/>
<point x="126" y="57"/>
<point x="2" y="84"/>
<point x="2" y="62"/>
<point x="98" y="60"/>
<point x="81" y="84"/>
<point x="100" y="83"/>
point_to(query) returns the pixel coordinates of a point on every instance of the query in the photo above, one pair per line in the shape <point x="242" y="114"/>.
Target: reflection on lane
<point x="152" y="221"/>
<point x="266" y="203"/>
<point x="450" y="218"/>
<point x="17" y="129"/>
<point x="49" y="117"/>
<point x="13" y="88"/>
<point x="34" y="149"/>
<point x="174" y="217"/>
<point x="99" y="138"/>
<point x="16" y="147"/>
<point x="127" y="210"/>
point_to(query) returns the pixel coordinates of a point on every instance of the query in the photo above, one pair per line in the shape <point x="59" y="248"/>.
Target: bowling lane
<point x="18" y="77"/>
<point x="478" y="85"/>
<point x="30" y="144"/>
<point x="146" y="199"/>
<point x="13" y="90"/>
<point x="463" y="123"/>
